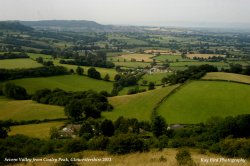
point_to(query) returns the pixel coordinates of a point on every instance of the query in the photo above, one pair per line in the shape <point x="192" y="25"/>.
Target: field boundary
<point x="157" y="105"/>
<point x="219" y="80"/>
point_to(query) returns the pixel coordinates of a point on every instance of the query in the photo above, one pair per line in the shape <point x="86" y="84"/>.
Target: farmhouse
<point x="70" y="131"/>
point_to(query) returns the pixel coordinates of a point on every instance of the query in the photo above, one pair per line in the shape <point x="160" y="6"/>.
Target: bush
<point x="183" y="157"/>
<point x="98" y="143"/>
<point x="75" y="145"/>
<point x="126" y="143"/>
<point x="13" y="91"/>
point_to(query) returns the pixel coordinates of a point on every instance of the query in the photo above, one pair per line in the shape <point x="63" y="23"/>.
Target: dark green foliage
<point x="79" y="70"/>
<point x="159" y="126"/>
<point x="39" y="60"/>
<point x="13" y="91"/>
<point x="193" y="72"/>
<point x="92" y="73"/>
<point x="183" y="157"/>
<point x="86" y="130"/>
<point x="10" y="74"/>
<point x="106" y="77"/>
<point x="121" y="125"/>
<point x="107" y="128"/>
<point x="117" y="77"/>
<point x="235" y="68"/>
<point x="98" y="143"/>
<point x="11" y="55"/>
<point x="151" y="86"/>
<point x="75" y="145"/>
<point x="96" y="60"/>
<point x="126" y="143"/>
<point x="135" y="90"/>
<point x="4" y="128"/>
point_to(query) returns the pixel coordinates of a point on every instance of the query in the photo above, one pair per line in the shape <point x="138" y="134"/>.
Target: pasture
<point x="34" y="56"/>
<point x="65" y="82"/>
<point x="18" y="63"/>
<point x="28" y="110"/>
<point x="197" y="101"/>
<point x="103" y="71"/>
<point x="138" y="106"/>
<point x="227" y="77"/>
<point x="186" y="64"/>
<point x="155" y="77"/>
<point x="169" y="58"/>
<point x="41" y="130"/>
<point x="138" y="57"/>
<point x="204" y="56"/>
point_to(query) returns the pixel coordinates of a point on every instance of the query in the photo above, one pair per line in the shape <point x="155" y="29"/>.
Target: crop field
<point x="132" y="64"/>
<point x="18" y="63"/>
<point x="41" y="130"/>
<point x="153" y="157"/>
<point x="138" y="106"/>
<point x="28" y="110"/>
<point x="66" y="82"/>
<point x="227" y="77"/>
<point x="205" y="56"/>
<point x="155" y="78"/>
<point x="197" y="101"/>
<point x="103" y="71"/>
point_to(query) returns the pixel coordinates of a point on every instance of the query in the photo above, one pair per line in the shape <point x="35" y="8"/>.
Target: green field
<point x="18" y="63"/>
<point x="227" y="77"/>
<point x="155" y="78"/>
<point x="197" y="101"/>
<point x="66" y="82"/>
<point x="137" y="57"/>
<point x="41" y="130"/>
<point x="173" y="58"/>
<point x="103" y="71"/>
<point x="138" y="106"/>
<point x="34" y="56"/>
<point x="28" y="110"/>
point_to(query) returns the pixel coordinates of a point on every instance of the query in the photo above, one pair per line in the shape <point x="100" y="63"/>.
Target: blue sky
<point x="137" y="12"/>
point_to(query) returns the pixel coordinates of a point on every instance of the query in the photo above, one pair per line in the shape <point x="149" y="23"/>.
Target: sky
<point x="131" y="12"/>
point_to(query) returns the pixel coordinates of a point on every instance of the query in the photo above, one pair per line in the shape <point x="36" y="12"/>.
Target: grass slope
<point x="151" y="158"/>
<point x="18" y="63"/>
<point x="138" y="106"/>
<point x="32" y="129"/>
<point x="155" y="77"/>
<point x="227" y="77"/>
<point x="199" y="100"/>
<point x="65" y="82"/>
<point x="28" y="110"/>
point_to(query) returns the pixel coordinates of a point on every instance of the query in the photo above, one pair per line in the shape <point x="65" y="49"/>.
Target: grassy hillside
<point x="31" y="129"/>
<point x="199" y="100"/>
<point x="28" y="110"/>
<point x="66" y="82"/>
<point x="151" y="158"/>
<point x="138" y="106"/>
<point x="18" y="63"/>
<point x="227" y="77"/>
<point x="155" y="78"/>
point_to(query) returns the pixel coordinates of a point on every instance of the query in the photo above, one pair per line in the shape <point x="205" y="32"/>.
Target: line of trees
<point x="78" y="105"/>
<point x="11" y="55"/>
<point x="45" y="71"/>
<point x="192" y="73"/>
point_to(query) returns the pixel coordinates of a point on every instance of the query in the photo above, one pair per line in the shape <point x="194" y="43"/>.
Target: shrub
<point x="75" y="145"/>
<point x="183" y="157"/>
<point x="98" y="143"/>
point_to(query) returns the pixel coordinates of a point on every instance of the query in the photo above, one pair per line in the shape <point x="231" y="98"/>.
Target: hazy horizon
<point x="196" y="13"/>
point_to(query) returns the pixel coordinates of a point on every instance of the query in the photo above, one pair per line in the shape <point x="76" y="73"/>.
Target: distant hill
<point x="65" y="25"/>
<point x="14" y="25"/>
